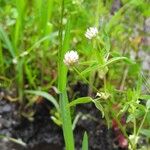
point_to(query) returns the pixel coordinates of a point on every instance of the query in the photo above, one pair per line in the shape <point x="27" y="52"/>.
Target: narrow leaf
<point x="45" y="95"/>
<point x="109" y="62"/>
<point x="145" y="132"/>
<point x="99" y="106"/>
<point x="85" y="142"/>
<point x="6" y="40"/>
<point x="18" y="141"/>
<point x="145" y="97"/>
<point x="81" y="100"/>
<point x="148" y="104"/>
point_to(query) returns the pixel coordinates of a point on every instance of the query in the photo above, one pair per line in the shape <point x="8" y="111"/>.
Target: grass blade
<point x="85" y="142"/>
<point x="62" y="81"/>
<point x="45" y="95"/>
<point x="81" y="100"/>
<point x="18" y="141"/>
<point x="6" y="40"/>
<point x="2" y="71"/>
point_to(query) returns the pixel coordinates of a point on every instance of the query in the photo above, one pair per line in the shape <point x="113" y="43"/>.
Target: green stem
<point x="134" y="133"/>
<point x="134" y="126"/>
<point x="76" y="70"/>
<point x="20" y="80"/>
<point x="138" y="131"/>
<point x="91" y="82"/>
<point x="122" y="129"/>
<point x="62" y="82"/>
<point x="98" y="13"/>
<point x="105" y="84"/>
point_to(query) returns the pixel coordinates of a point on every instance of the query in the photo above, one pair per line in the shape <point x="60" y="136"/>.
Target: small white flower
<point x="15" y="61"/>
<point x="103" y="95"/>
<point x="71" y="57"/>
<point x="91" y="33"/>
<point x="24" y="54"/>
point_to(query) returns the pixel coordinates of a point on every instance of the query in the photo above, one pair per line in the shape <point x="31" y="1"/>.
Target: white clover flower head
<point x="15" y="61"/>
<point x="91" y="33"/>
<point x="71" y="57"/>
<point x="24" y="54"/>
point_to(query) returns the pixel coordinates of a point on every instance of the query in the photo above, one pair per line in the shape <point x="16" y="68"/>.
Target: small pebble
<point x="6" y="108"/>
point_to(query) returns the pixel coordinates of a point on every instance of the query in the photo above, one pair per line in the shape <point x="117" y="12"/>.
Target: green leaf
<point x="18" y="141"/>
<point x="148" y="104"/>
<point x="45" y="95"/>
<point x="30" y="76"/>
<point x="99" y="106"/>
<point x="109" y="62"/>
<point x="107" y="43"/>
<point x="6" y="40"/>
<point x="107" y="117"/>
<point x="138" y="113"/>
<point x="145" y="97"/>
<point x="115" y="59"/>
<point x="145" y="132"/>
<point x="56" y="120"/>
<point x="130" y="118"/>
<point x="85" y="142"/>
<point x="77" y="117"/>
<point x="124" y="109"/>
<point x="81" y="100"/>
<point x="141" y="107"/>
<point x="64" y="44"/>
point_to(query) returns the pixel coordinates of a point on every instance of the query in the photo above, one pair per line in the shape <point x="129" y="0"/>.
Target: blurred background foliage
<point x="32" y="26"/>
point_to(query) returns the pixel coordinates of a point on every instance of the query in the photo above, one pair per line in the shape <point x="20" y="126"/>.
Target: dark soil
<point x="43" y="134"/>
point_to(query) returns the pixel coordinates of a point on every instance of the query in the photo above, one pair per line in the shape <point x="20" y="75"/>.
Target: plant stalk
<point x="62" y="82"/>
